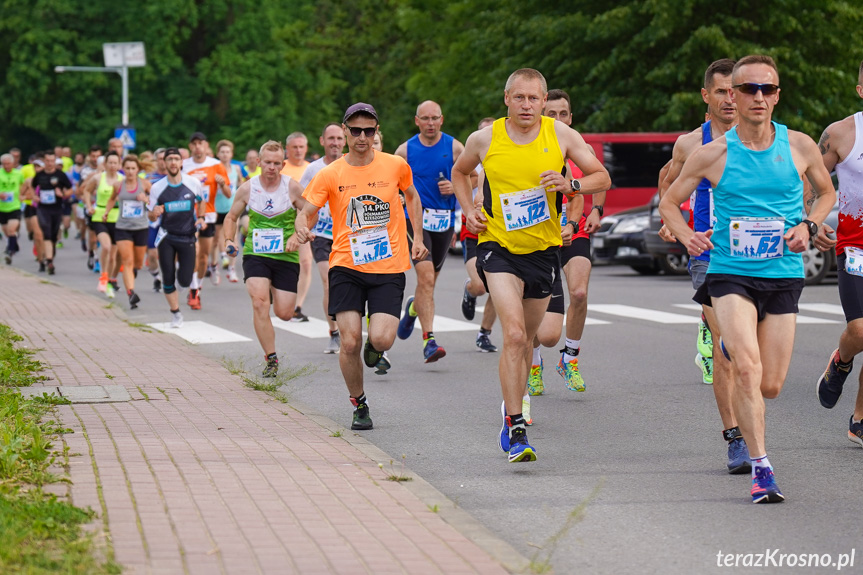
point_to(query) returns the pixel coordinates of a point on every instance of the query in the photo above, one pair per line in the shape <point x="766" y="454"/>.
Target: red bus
<point x="633" y="160"/>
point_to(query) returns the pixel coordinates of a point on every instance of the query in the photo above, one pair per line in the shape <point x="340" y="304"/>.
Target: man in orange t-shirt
<point x="213" y="177"/>
<point x="370" y="247"/>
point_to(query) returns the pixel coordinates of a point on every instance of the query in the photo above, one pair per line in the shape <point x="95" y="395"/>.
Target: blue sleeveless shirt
<point x="427" y="164"/>
<point x="757" y="184"/>
<point x="702" y="209"/>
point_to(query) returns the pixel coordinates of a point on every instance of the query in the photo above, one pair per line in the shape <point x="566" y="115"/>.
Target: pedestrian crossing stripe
<point x="633" y="312"/>
<point x="200" y="332"/>
<point x="815" y="307"/>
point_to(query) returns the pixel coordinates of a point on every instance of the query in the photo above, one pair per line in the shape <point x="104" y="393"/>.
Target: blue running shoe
<point x="97" y="268"/>
<point x="855" y="431"/>
<point x="432" y="351"/>
<point x="406" y="323"/>
<point x="764" y="488"/>
<point x="738" y="457"/>
<point x="503" y="439"/>
<point x="520" y="449"/>
<point x="832" y="380"/>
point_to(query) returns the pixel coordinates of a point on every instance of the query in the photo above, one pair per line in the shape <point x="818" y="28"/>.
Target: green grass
<point x="39" y="533"/>
<point x="270" y="386"/>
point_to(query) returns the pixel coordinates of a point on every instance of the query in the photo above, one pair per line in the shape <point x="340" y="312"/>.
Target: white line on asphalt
<point x="691" y="306"/>
<point x="200" y="332"/>
<point x="816" y="307"/>
<point x="587" y="321"/>
<point x="830" y="308"/>
<point x="314" y="328"/>
<point x="632" y="312"/>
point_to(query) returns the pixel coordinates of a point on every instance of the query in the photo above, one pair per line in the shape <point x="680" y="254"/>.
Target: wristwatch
<point x="599" y="209"/>
<point x="575" y="185"/>
<point x="813" y="228"/>
<point x="574" y="226"/>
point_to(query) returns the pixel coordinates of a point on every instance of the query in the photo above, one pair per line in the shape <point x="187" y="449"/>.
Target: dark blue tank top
<point x="427" y="164"/>
<point x="702" y="209"/>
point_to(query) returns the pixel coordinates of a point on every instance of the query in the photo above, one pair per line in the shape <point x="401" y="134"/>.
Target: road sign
<point x="129" y="54"/>
<point x="127" y="134"/>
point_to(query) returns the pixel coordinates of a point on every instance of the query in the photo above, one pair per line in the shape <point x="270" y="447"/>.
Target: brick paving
<point x="199" y="474"/>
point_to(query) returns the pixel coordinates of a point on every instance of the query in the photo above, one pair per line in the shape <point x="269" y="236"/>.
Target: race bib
<point x="268" y="241"/>
<point x="436" y="220"/>
<point x="47" y="197"/>
<point x="854" y="261"/>
<point x="757" y="238"/>
<point x="132" y="209"/>
<point x="324" y="227"/>
<point x="79" y="211"/>
<point x="6" y="197"/>
<point x="524" y="209"/>
<point x="210" y="217"/>
<point x="372" y="245"/>
<point x="160" y="235"/>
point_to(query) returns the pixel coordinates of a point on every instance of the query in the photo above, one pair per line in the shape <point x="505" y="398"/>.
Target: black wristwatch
<point x="599" y="209"/>
<point x="813" y="228"/>
<point x="574" y="226"/>
<point x="575" y="185"/>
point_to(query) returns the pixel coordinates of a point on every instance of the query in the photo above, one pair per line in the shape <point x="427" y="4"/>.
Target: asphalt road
<point x="631" y="474"/>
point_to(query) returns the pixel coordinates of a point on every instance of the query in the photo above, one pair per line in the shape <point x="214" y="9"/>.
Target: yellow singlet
<point x="511" y="168"/>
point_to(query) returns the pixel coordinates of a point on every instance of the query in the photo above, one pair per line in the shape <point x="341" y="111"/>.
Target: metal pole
<point x="125" y="75"/>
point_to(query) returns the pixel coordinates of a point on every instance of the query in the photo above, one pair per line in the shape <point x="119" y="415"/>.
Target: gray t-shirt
<point x="133" y="213"/>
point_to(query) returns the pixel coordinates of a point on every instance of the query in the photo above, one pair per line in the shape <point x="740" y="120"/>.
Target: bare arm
<point x="474" y="150"/>
<point x="823" y="197"/>
<point x="295" y="192"/>
<point x="402" y="151"/>
<point x="415" y="209"/>
<point x="457" y="149"/>
<point x="595" y="178"/>
<point x="306" y="218"/>
<point x="229" y="227"/>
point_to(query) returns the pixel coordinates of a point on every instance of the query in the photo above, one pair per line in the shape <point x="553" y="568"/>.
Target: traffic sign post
<point x="119" y="57"/>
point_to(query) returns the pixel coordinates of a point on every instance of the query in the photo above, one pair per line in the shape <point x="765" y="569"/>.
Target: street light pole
<point x="123" y="71"/>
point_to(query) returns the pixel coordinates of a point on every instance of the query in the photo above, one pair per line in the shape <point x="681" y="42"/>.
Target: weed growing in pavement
<point x="541" y="560"/>
<point x="271" y="385"/>
<point x="434" y="508"/>
<point x="38" y="532"/>
<point x="397" y="475"/>
<point x="233" y="366"/>
<point x="336" y="433"/>
<point x="142" y="326"/>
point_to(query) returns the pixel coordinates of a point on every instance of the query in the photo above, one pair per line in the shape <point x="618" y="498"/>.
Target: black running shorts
<point x="351" y="290"/>
<point x="6" y="217"/>
<point x="850" y="291"/>
<point x="100" y="227"/>
<point x="579" y="248"/>
<point x="282" y="275"/>
<point x="137" y="237"/>
<point x="537" y="270"/>
<point x="468" y="249"/>
<point x="775" y="296"/>
<point x="437" y="243"/>
<point x="556" y="303"/>
<point x="321" y="248"/>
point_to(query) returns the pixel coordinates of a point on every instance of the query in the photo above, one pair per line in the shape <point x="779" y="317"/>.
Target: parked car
<point x="621" y="240"/>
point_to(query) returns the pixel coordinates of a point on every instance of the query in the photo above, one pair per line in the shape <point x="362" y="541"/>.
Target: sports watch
<point x="813" y="228"/>
<point x="575" y="185"/>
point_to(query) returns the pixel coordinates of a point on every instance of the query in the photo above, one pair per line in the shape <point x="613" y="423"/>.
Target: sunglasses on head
<point x="355" y="132"/>
<point x="752" y="89"/>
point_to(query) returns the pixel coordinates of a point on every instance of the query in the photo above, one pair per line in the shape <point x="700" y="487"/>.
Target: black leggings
<point x="183" y="250"/>
<point x="49" y="221"/>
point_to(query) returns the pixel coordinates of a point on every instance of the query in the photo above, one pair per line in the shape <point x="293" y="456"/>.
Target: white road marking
<point x="830" y="308"/>
<point x="587" y="321"/>
<point x="314" y="328"/>
<point x="632" y="312"/>
<point x="200" y="332"/>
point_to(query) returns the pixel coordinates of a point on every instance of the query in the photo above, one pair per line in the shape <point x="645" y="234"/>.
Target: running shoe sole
<point x="503" y="436"/>
<point x="525" y="455"/>
<point x="855" y="439"/>
<point x="769" y="497"/>
<point x="438" y="354"/>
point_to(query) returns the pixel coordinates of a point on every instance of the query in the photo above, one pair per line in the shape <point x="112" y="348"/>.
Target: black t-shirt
<point x="46" y="186"/>
<point x="179" y="201"/>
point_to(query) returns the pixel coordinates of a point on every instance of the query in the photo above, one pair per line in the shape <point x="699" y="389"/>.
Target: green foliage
<point x="256" y="71"/>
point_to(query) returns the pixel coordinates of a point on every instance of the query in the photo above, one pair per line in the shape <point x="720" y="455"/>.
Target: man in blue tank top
<point x="431" y="155"/>
<point x="756" y="271"/>
<point x="716" y="370"/>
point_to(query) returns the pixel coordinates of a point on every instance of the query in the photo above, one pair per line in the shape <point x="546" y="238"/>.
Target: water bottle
<point x="231" y="250"/>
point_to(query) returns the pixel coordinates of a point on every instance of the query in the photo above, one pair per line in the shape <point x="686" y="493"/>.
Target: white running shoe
<point x="176" y="320"/>
<point x="232" y="275"/>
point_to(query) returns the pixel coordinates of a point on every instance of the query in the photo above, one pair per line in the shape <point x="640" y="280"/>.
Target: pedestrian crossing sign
<point x="127" y="135"/>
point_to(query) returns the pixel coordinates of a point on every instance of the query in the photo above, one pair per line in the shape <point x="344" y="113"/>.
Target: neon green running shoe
<point x="706" y="365"/>
<point x="525" y="411"/>
<point x="534" y="380"/>
<point x="569" y="372"/>
<point x="705" y="340"/>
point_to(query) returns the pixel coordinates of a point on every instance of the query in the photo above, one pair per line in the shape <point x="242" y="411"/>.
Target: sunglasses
<point x="752" y="89"/>
<point x="369" y="132"/>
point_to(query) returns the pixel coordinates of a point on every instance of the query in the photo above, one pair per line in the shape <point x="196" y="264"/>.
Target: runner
<point x="716" y="369"/>
<point x="473" y="286"/>
<point x="270" y="261"/>
<point x="431" y="154"/>
<point x="213" y="177"/>
<point x="523" y="156"/>
<point x="333" y="141"/>
<point x="225" y="153"/>
<point x="11" y="181"/>
<point x="755" y="274"/>
<point x="178" y="200"/>
<point x="88" y="239"/>
<point x="370" y="247"/>
<point x="842" y="149"/>
<point x="296" y="147"/>
<point x="31" y="222"/>
<point x="253" y="164"/>
<point x="152" y="251"/>
<point x="49" y="187"/>
<point x="132" y="229"/>
<point x="104" y="228"/>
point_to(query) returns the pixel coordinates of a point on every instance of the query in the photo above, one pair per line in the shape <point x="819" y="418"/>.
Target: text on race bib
<point x="371" y="245"/>
<point x="210" y="217"/>
<point x="324" y="227"/>
<point x="132" y="209"/>
<point x="756" y="238"/>
<point x="854" y="261"/>
<point x="268" y="241"/>
<point x="47" y="197"/>
<point x="524" y="209"/>
<point x="436" y="220"/>
<point x="6" y="197"/>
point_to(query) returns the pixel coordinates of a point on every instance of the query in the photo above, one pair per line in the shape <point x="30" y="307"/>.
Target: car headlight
<point x="632" y="225"/>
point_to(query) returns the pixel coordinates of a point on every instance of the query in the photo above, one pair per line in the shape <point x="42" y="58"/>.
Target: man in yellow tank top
<point x="518" y="258"/>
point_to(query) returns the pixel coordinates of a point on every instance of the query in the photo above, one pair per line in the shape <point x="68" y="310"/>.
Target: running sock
<point x="483" y="331"/>
<point x="356" y="401"/>
<point x="194" y="284"/>
<point x="427" y="335"/>
<point x="12" y="244"/>
<point x="537" y="358"/>
<point x="843" y="364"/>
<point x="334" y="332"/>
<point x="129" y="292"/>
<point x="731" y="434"/>
<point x="516" y="421"/>
<point x="411" y="311"/>
<point x="270" y="356"/>
<point x="175" y="311"/>
<point x="155" y="273"/>
<point x="526" y="397"/>
<point x="856" y="420"/>
<point x="570" y="351"/>
<point x="760" y="462"/>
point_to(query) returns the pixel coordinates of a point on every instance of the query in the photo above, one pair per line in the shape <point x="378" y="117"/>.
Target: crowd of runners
<point x="363" y="218"/>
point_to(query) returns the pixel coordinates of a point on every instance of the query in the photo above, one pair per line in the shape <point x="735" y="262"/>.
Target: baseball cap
<point x="360" y="107"/>
<point x="197" y="136"/>
<point x="172" y="151"/>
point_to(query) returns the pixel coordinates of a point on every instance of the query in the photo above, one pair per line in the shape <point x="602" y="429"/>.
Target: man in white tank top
<point x="842" y="149"/>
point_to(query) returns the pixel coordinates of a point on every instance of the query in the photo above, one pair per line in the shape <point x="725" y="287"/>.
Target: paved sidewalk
<point x="199" y="474"/>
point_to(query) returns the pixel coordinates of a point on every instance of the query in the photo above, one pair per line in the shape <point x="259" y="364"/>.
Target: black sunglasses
<point x="369" y="132"/>
<point x="752" y="89"/>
